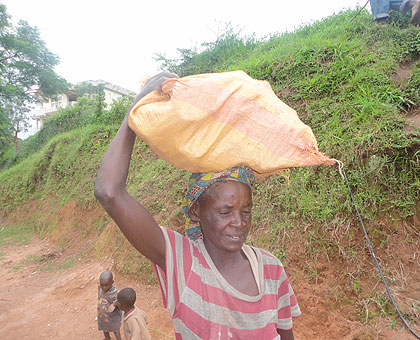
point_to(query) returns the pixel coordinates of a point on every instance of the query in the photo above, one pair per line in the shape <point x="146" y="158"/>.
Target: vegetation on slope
<point x="340" y="76"/>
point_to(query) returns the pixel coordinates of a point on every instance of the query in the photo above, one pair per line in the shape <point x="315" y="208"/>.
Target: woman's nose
<point x="236" y="219"/>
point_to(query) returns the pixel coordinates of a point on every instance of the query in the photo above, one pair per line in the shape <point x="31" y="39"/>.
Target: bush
<point x="216" y="56"/>
<point x="83" y="113"/>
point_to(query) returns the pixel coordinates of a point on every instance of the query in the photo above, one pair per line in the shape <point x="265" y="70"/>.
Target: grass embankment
<point x="344" y="80"/>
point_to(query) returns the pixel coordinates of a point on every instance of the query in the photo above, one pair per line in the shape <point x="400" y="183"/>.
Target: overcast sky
<point x="115" y="40"/>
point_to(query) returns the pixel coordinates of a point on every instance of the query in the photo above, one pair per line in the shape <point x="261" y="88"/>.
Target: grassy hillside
<point x="355" y="83"/>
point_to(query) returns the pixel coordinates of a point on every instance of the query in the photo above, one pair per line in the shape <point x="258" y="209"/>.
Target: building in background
<point x="48" y="108"/>
<point x="112" y="92"/>
<point x="45" y="109"/>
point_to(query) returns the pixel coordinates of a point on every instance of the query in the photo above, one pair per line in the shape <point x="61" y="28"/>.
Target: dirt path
<point x="39" y="300"/>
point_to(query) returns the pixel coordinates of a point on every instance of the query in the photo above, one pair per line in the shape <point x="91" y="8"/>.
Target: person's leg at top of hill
<point x="380" y="8"/>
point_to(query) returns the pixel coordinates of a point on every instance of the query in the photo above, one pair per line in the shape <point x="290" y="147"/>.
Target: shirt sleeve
<point x="287" y="303"/>
<point x="178" y="261"/>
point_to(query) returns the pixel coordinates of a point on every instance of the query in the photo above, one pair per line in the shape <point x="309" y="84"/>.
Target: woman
<point x="214" y="286"/>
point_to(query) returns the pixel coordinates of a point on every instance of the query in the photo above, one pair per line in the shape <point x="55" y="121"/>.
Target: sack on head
<point x="211" y="122"/>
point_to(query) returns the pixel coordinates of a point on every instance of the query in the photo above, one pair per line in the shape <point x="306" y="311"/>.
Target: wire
<point x="359" y="11"/>
<point x="376" y="260"/>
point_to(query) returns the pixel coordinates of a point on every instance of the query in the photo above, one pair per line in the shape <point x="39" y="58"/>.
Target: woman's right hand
<point x="154" y="83"/>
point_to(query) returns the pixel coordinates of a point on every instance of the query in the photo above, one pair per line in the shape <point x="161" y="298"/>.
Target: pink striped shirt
<point x="203" y="305"/>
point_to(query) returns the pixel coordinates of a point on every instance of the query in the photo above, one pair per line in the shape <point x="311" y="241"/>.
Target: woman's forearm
<point x="113" y="172"/>
<point x="137" y="224"/>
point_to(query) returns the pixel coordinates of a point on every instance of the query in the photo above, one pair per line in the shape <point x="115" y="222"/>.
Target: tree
<point x="26" y="71"/>
<point x="100" y="99"/>
<point x="93" y="91"/>
<point x="5" y="132"/>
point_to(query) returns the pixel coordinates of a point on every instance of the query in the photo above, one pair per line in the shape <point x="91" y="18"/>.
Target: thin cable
<point x="359" y="11"/>
<point x="376" y="260"/>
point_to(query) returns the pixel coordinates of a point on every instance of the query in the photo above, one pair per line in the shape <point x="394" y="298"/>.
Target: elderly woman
<point x="214" y="285"/>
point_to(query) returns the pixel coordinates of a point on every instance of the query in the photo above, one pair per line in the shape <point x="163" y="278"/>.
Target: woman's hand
<point x="152" y="84"/>
<point x="155" y="82"/>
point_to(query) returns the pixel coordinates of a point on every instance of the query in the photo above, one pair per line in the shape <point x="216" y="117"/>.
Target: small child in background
<point x="109" y="315"/>
<point x="135" y="319"/>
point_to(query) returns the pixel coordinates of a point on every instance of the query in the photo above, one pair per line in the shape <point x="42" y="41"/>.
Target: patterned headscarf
<point x="199" y="182"/>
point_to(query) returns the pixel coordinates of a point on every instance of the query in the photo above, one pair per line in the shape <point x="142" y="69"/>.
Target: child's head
<point x="126" y="298"/>
<point x="105" y="281"/>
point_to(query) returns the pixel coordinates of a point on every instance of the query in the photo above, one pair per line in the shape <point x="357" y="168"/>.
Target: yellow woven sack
<point x="211" y="122"/>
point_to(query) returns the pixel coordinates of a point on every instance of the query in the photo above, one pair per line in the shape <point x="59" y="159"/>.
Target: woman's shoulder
<point x="176" y="239"/>
<point x="173" y="234"/>
<point x="266" y="256"/>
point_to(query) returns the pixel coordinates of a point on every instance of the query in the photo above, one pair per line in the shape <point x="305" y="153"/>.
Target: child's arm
<point x="136" y="223"/>
<point x="112" y="306"/>
<point x="286" y="335"/>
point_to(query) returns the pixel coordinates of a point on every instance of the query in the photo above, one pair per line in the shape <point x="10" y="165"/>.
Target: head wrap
<point x="199" y="182"/>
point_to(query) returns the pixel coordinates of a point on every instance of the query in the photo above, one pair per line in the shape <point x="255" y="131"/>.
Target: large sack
<point x="211" y="122"/>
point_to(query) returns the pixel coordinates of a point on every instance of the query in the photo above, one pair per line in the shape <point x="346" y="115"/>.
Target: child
<point x="134" y="318"/>
<point x="109" y="316"/>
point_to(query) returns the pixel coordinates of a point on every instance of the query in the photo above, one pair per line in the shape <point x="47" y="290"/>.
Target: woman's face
<point x="225" y="216"/>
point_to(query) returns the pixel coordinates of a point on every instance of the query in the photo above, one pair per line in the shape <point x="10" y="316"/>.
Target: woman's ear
<point x="194" y="212"/>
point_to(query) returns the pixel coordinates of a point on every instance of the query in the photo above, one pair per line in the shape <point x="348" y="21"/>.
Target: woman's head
<point x="224" y="215"/>
<point x="207" y="191"/>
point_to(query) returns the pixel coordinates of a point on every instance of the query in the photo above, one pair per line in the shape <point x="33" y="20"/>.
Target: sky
<point x="116" y="41"/>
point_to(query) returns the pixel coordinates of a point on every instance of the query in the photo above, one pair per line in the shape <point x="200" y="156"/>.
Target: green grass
<point x="52" y="266"/>
<point x="19" y="234"/>
<point x="31" y="259"/>
<point x="15" y="268"/>
<point x="48" y="263"/>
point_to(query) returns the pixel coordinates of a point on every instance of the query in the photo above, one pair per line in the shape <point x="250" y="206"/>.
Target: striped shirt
<point x="203" y="305"/>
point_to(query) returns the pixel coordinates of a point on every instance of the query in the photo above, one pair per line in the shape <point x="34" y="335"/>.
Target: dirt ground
<point x="45" y="304"/>
<point x="38" y="303"/>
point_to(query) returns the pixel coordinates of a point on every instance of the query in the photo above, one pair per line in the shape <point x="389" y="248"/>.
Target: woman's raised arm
<point x="136" y="223"/>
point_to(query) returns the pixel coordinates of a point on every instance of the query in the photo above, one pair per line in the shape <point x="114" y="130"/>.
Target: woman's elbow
<point x="104" y="194"/>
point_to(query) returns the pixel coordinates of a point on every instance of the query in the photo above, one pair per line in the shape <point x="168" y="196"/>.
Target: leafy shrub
<point x="116" y="113"/>
<point x="216" y="56"/>
<point x="83" y="113"/>
<point x="412" y="88"/>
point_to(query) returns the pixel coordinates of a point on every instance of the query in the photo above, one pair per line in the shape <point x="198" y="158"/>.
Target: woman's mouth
<point x="235" y="238"/>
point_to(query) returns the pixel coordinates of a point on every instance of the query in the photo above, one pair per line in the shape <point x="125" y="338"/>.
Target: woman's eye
<point x="224" y="212"/>
<point x="246" y="212"/>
